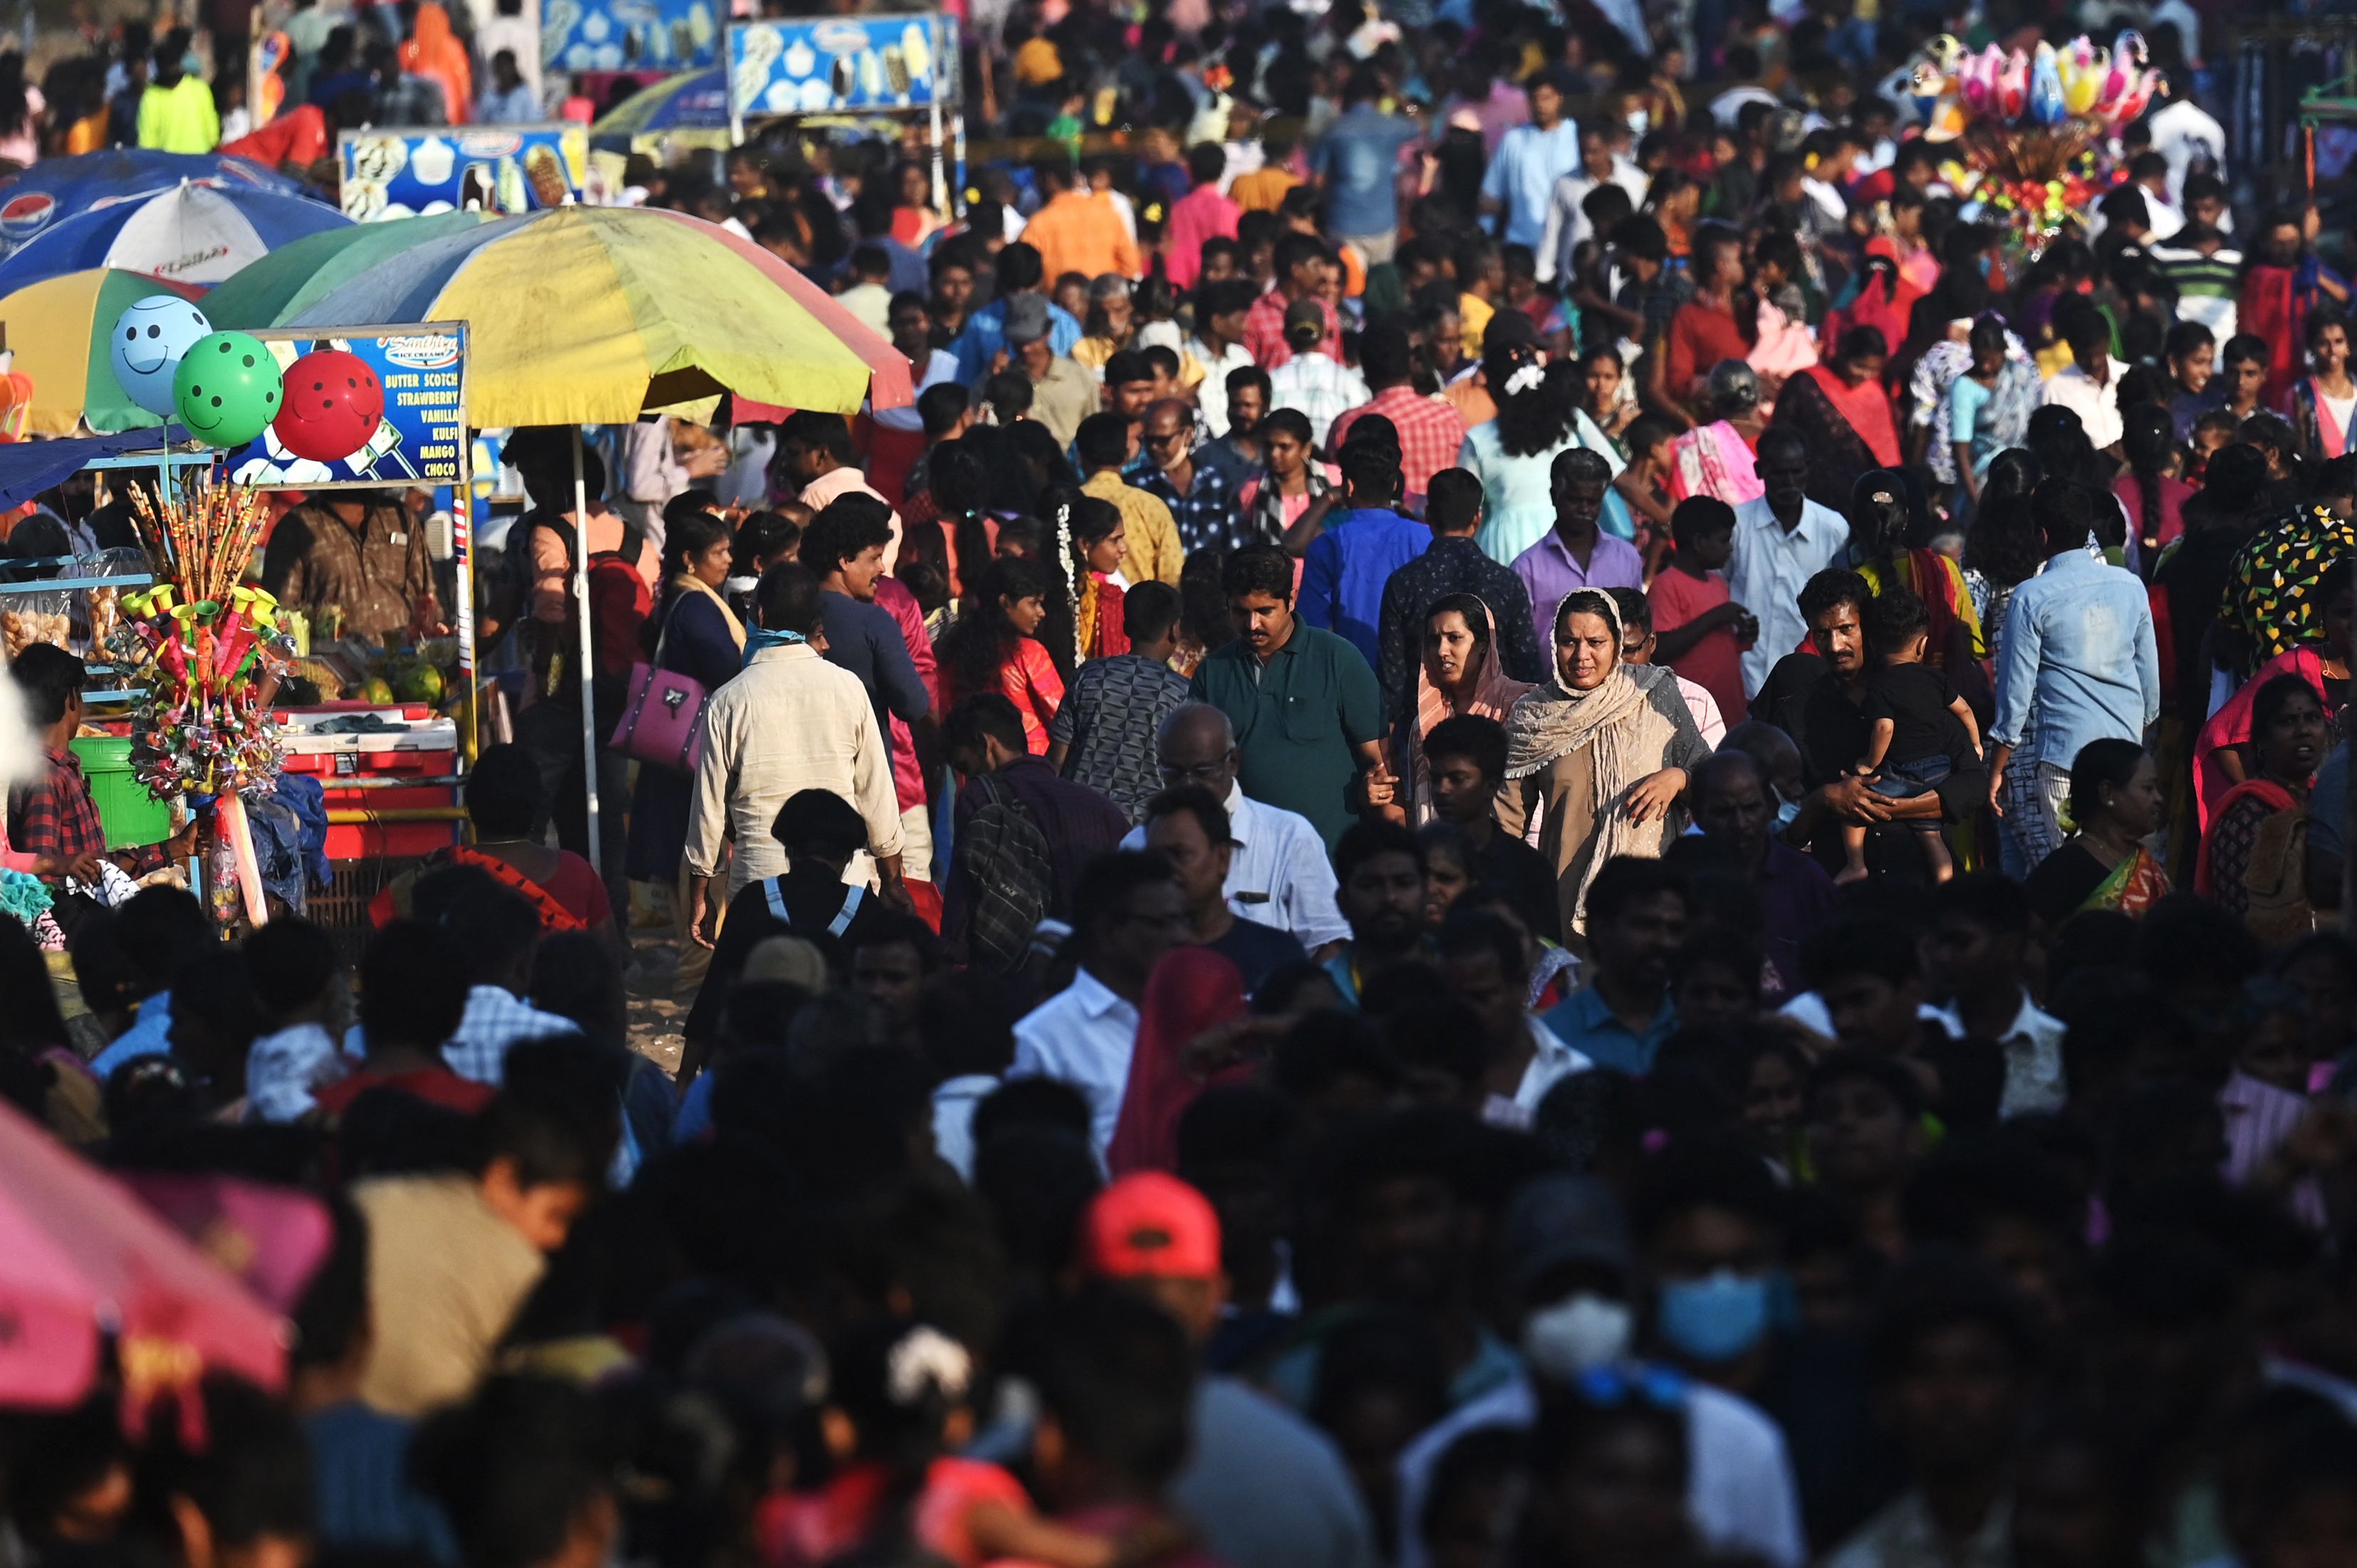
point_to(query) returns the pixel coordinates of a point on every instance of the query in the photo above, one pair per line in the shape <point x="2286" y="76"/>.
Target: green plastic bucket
<point x="131" y="816"/>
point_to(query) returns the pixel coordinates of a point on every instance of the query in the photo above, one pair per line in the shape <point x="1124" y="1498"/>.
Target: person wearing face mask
<point x="1568" y="1300"/>
<point x="1732" y="803"/>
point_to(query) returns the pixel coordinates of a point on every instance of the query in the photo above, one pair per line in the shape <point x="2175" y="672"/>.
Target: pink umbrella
<point x="80" y="1258"/>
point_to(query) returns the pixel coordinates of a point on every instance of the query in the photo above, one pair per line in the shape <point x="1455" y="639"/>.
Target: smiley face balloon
<point x="146" y="344"/>
<point x="333" y="405"/>
<point x="227" y="388"/>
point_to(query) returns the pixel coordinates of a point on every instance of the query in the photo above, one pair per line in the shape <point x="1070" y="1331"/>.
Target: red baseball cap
<point x="1150" y="1226"/>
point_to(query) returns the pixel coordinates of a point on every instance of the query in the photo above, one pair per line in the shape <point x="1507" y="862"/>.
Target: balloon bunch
<point x="209" y="649"/>
<point x="1954" y="88"/>
<point x="228" y="387"/>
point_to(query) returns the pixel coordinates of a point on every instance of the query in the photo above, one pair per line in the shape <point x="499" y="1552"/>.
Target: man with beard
<point x="1379" y="867"/>
<point x="1817" y="695"/>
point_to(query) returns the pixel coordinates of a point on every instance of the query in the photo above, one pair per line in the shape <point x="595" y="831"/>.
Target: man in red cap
<point x="1266" y="1488"/>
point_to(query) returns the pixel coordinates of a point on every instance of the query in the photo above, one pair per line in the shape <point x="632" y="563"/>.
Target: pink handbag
<point x="662" y="718"/>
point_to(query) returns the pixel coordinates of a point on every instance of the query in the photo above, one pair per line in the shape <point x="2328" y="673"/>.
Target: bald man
<point x="1277" y="872"/>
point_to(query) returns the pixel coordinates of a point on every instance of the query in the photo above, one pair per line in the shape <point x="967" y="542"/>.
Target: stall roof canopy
<point x="28" y="468"/>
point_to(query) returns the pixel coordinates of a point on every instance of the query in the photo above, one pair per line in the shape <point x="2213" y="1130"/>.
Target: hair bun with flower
<point x="1526" y="377"/>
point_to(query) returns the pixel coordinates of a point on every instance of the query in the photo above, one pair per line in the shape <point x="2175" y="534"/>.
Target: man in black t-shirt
<point x="1188" y="828"/>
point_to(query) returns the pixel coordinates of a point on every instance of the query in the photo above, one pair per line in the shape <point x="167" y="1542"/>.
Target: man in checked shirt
<point x="54" y="820"/>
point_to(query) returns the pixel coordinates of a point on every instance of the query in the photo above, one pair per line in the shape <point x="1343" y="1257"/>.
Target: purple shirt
<point x="1795" y="897"/>
<point x="1549" y="571"/>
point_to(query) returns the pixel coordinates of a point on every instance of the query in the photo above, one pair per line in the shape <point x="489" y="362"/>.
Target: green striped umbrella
<point x="269" y="290"/>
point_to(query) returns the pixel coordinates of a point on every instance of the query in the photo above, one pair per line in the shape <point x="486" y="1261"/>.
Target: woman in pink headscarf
<point x="1458" y="674"/>
<point x="1193" y="992"/>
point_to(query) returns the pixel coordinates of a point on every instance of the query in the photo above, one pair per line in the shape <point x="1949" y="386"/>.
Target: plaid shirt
<point x="1265" y="331"/>
<point x="1322" y="389"/>
<point x="1205" y="515"/>
<point x="494" y="1021"/>
<point x="1656" y="302"/>
<point x="1429" y="430"/>
<point x="56" y="817"/>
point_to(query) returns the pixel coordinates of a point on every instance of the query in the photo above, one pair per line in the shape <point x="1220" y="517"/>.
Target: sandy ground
<point x="658" y="1008"/>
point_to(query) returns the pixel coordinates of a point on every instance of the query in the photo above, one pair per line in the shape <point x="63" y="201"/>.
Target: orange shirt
<point x="1263" y="190"/>
<point x="1081" y="233"/>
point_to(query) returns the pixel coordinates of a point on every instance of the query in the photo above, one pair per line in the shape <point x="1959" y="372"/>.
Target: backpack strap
<point x="853" y="897"/>
<point x="772" y="888"/>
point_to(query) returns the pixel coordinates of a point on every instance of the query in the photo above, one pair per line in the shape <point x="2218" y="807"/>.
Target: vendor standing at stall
<point x="357" y="555"/>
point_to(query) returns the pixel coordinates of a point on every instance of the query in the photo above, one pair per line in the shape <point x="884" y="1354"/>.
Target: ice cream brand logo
<point x="427" y="351"/>
<point x="490" y="145"/>
<point x="840" y="37"/>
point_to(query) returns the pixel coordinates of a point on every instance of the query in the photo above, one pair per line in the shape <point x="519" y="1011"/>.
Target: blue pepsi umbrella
<point x="58" y="188"/>
<point x="189" y="234"/>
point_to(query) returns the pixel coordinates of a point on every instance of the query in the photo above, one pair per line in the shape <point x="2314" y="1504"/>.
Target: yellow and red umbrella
<point x="591" y="315"/>
<point x="58" y="327"/>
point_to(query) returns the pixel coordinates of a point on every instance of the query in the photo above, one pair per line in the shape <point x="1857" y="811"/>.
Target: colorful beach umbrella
<point x="692" y="100"/>
<point x="590" y="315"/>
<point x="192" y="233"/>
<point x="81" y="1261"/>
<point x="58" y="327"/>
<point x="56" y="189"/>
<point x="288" y="279"/>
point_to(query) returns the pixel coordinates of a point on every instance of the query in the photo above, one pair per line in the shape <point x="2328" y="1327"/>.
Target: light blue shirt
<point x="2078" y="654"/>
<point x="1522" y="175"/>
<point x="149" y="1036"/>
<point x="986" y="335"/>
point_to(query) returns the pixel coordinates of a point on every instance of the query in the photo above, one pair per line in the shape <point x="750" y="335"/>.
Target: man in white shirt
<point x="791" y="721"/>
<point x="1126" y="913"/>
<point x="1321" y="386"/>
<point x="1567" y="225"/>
<point x="2184" y="133"/>
<point x="1278" y="873"/>
<point x="1782" y="539"/>
<point x="1974" y="953"/>
<point x="2090" y="386"/>
<point x="1218" y="346"/>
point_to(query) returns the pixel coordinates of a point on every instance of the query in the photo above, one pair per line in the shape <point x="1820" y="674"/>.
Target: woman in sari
<point x="2253" y="862"/>
<point x="1459" y="674"/>
<point x="698" y="636"/>
<point x="1601" y="751"/>
<point x="1878" y="521"/>
<point x="1842" y="412"/>
<point x="1191" y="993"/>
<point x="1718" y="459"/>
<point x="2116" y="801"/>
<point x="2221" y="752"/>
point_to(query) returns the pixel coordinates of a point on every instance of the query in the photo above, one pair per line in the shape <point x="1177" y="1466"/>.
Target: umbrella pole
<point x="589" y="702"/>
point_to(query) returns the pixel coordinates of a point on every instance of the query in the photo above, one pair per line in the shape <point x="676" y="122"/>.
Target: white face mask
<point x="1562" y="1340"/>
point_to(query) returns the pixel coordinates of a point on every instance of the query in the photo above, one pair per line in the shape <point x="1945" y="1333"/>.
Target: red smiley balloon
<point x="333" y="405"/>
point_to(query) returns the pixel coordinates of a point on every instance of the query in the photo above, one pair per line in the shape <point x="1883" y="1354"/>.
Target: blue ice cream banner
<point x="420" y="442"/>
<point x="629" y="35"/>
<point x="392" y="172"/>
<point x="830" y="64"/>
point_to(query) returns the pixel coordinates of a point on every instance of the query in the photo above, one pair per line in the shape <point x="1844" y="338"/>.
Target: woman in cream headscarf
<point x="1457" y="674"/>
<point x="1604" y="746"/>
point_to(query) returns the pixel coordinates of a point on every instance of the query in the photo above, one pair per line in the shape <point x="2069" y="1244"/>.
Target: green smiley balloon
<point x="227" y="390"/>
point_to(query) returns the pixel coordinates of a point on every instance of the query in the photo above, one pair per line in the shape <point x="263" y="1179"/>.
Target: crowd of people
<point x="1526" y="823"/>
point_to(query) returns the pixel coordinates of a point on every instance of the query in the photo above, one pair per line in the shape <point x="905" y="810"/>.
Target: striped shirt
<point x="2207" y="286"/>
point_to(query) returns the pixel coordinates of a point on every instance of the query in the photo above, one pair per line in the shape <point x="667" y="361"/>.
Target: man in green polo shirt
<point x="1304" y="704"/>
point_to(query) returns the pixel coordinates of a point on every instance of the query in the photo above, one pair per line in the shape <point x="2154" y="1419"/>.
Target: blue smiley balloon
<point x="149" y="339"/>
